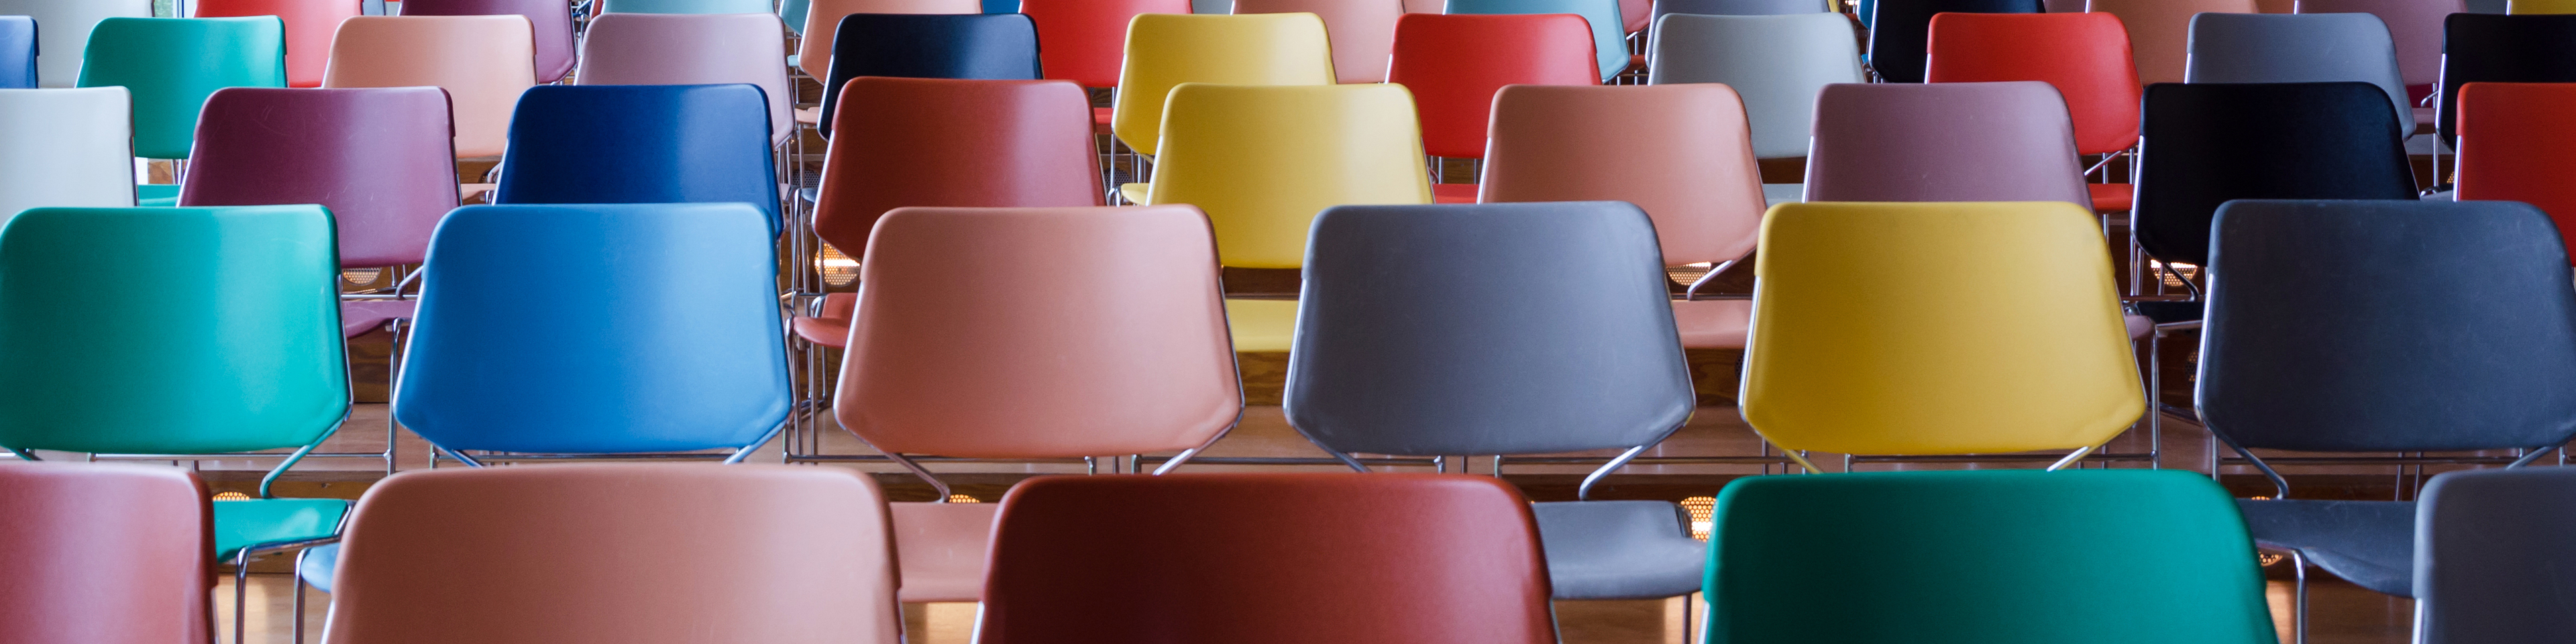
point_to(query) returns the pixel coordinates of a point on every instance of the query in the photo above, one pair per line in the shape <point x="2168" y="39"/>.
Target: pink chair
<point x="309" y="26"/>
<point x="1362" y="31"/>
<point x="484" y="63"/>
<point x="2000" y="141"/>
<point x="2160" y="31"/>
<point x="104" y="554"/>
<point x="551" y="19"/>
<point x="693" y="49"/>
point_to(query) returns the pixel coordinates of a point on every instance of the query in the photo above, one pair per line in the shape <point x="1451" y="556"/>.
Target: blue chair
<point x="965" y="46"/>
<point x="1609" y="31"/>
<point x="17" y="52"/>
<point x="594" y="144"/>
<point x="2493" y="556"/>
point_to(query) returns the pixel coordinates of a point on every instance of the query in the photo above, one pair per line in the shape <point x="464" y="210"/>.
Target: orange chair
<point x="2514" y="139"/>
<point x="1267" y="559"/>
<point x="2085" y="55"/>
<point x="1362" y="31"/>
<point x="104" y="554"/>
<point x="309" y="26"/>
<point x="483" y="62"/>
<point x="2160" y="31"/>
<point x="618" y="553"/>
<point x="823" y="18"/>
<point x="1455" y="63"/>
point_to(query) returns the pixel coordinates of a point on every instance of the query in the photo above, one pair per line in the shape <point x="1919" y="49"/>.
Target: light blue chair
<point x="17" y="52"/>
<point x="1609" y="32"/>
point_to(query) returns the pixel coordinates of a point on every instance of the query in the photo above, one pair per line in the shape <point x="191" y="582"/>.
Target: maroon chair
<point x="104" y="554"/>
<point x="1999" y="141"/>
<point x="551" y="18"/>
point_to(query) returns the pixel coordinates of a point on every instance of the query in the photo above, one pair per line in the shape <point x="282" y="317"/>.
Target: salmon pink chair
<point x="1267" y="559"/>
<point x="1131" y="317"/>
<point x="483" y="62"/>
<point x="1086" y="40"/>
<point x="2084" y="55"/>
<point x="551" y="20"/>
<point x="108" y="554"/>
<point x="2160" y="31"/>
<point x="1453" y="64"/>
<point x="2513" y="142"/>
<point x="1363" y="31"/>
<point x="309" y="26"/>
<point x="814" y="53"/>
<point x="2001" y="141"/>
<point x="693" y="49"/>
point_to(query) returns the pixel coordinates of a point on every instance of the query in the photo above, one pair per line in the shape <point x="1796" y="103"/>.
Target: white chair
<point x="62" y="31"/>
<point x="65" y="148"/>
<point x="692" y="49"/>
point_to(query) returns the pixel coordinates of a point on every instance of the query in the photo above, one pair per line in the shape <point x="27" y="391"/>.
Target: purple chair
<point x="551" y="18"/>
<point x="2008" y="141"/>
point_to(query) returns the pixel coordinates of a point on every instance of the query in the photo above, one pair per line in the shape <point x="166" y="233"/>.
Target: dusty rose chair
<point x="1362" y="31"/>
<point x="552" y="20"/>
<point x="2160" y="31"/>
<point x="2000" y="141"/>
<point x="483" y="62"/>
<point x="692" y="49"/>
<point x="104" y="554"/>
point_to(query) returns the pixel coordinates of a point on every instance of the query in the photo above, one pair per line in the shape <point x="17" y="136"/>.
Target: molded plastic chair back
<point x="1900" y="33"/>
<point x="1737" y="7"/>
<point x="1406" y="312"/>
<point x="2029" y="354"/>
<point x="245" y="349"/>
<point x="139" y="53"/>
<point x="2333" y="326"/>
<point x="1790" y="555"/>
<point x="2416" y="26"/>
<point x="112" y="554"/>
<point x="2213" y="143"/>
<point x="2481" y="48"/>
<point x="1453" y="64"/>
<point x="309" y="26"/>
<point x="672" y="344"/>
<point x="715" y="538"/>
<point x="1777" y="63"/>
<point x="2512" y="142"/>
<point x="815" y="55"/>
<point x="1000" y="46"/>
<point x="1266" y="559"/>
<point x="2522" y="7"/>
<point x="684" y="6"/>
<point x="377" y="158"/>
<point x="2491" y="551"/>
<point x="642" y="144"/>
<point x="2002" y="141"/>
<point x="2299" y="48"/>
<point x="483" y="62"/>
<point x="938" y="142"/>
<point x="1609" y="38"/>
<point x="1086" y="40"/>
<point x="692" y="49"/>
<point x="1262" y="161"/>
<point x="2084" y="55"/>
<point x="1362" y="31"/>
<point x="552" y="25"/>
<point x="2160" y="31"/>
<point x="1257" y="49"/>
<point x="793" y="13"/>
<point x="65" y="148"/>
<point x="17" y="52"/>
<point x="1680" y="152"/>
<point x="63" y="28"/>
<point x="1131" y="319"/>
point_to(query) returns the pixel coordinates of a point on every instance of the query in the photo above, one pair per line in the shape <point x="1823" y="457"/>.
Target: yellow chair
<point x="1937" y="328"/>
<point x="1165" y="50"/>
<point x="2540" y="6"/>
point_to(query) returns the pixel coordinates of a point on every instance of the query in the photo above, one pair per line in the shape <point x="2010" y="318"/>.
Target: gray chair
<point x="2298" y="48"/>
<point x="2495" y="552"/>
<point x="1523" y="328"/>
<point x="1777" y="63"/>
<point x="1738" y="7"/>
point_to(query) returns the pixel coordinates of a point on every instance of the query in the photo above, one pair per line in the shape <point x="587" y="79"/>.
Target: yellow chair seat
<point x="1137" y="193"/>
<point x="1261" y="325"/>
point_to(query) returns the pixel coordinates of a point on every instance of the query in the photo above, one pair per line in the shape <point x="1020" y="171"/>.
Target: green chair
<point x="1990" y="557"/>
<point x="238" y="350"/>
<point x="171" y="64"/>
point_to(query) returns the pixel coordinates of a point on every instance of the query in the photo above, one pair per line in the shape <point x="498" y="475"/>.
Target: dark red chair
<point x="2085" y="55"/>
<point x="552" y="20"/>
<point x="104" y="554"/>
<point x="1454" y="63"/>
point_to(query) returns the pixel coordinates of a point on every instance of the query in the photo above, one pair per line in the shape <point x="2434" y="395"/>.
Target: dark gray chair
<point x="2298" y="48"/>
<point x="2494" y="554"/>
<point x="1738" y="7"/>
<point x="1526" y="328"/>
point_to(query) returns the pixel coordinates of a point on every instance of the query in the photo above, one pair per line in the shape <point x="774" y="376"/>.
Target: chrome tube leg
<point x="241" y="595"/>
<point x="2299" y="598"/>
<point x="393" y="376"/>
<point x="297" y="577"/>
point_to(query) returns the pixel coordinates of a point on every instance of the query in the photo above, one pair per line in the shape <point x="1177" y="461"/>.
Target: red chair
<point x="1453" y="64"/>
<point x="104" y="554"/>
<point x="309" y="26"/>
<point x="2514" y="139"/>
<point x="1086" y="40"/>
<point x="2086" y="55"/>
<point x="1266" y="559"/>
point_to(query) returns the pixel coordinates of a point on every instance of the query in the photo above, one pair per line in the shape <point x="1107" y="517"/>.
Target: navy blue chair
<point x="596" y="144"/>
<point x="2481" y="48"/>
<point x="1900" y="31"/>
<point x="2211" y="143"/>
<point x="17" y="52"/>
<point x="988" y="46"/>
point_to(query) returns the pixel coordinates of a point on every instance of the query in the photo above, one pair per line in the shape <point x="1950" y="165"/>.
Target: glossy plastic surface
<point x="249" y="522"/>
<point x="2480" y="48"/>
<point x="1262" y="161"/>
<point x="941" y="549"/>
<point x="1086" y="40"/>
<point x="2084" y="55"/>
<point x="2491" y="552"/>
<point x="65" y="147"/>
<point x="976" y="46"/>
<point x="1680" y="152"/>
<point x="378" y="158"/>
<point x="1453" y="64"/>
<point x="815" y="55"/>
<point x="2306" y="48"/>
<point x="552" y="25"/>
<point x="1776" y="63"/>
<point x="1363" y="31"/>
<point x="17" y="52"/>
<point x="110" y="554"/>
<point x="684" y="6"/>
<point x="137" y="53"/>
<point x="642" y="144"/>
<point x="63" y="29"/>
<point x="1164" y="51"/>
<point x="483" y="62"/>
<point x="2212" y="143"/>
<point x="2512" y="142"/>
<point x="1609" y="38"/>
<point x="938" y="142"/>
<point x="2000" y="141"/>
<point x="309" y="26"/>
<point x="692" y="49"/>
<point x="1737" y="7"/>
<point x="2160" y="31"/>
<point x="1900" y="31"/>
<point x="2519" y="7"/>
<point x="2416" y="25"/>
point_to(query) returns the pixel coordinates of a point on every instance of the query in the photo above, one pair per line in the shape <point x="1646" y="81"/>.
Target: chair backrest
<point x="793" y="13"/>
<point x="1737" y="7"/>
<point x="483" y="62"/>
<point x="693" y="49"/>
<point x="2017" y="344"/>
<point x="2084" y="55"/>
<point x="2521" y="7"/>
<point x="2490" y="554"/>
<point x="670" y="341"/>
<point x="1899" y="35"/>
<point x="17" y="52"/>
<point x="2298" y="48"/>
<point x="244" y="351"/>
<point x="65" y="148"/>
<point x="1999" y="141"/>
<point x="569" y="546"/>
<point x="138" y="53"/>
<point x="1453" y="64"/>
<point x="1266" y="559"/>
<point x="1609" y="39"/>
<point x="63" y="31"/>
<point x="1001" y="46"/>
<point x="1165" y="50"/>
<point x="1777" y="63"/>
<point x="114" y="554"/>
<point x="2334" y="326"/>
<point x="2160" y="31"/>
<point x="1262" y="161"/>
<point x="309" y="26"/>
<point x="2482" y="48"/>
<point x="1086" y="40"/>
<point x="963" y="143"/>
<point x="378" y="158"/>
<point x="552" y="25"/>
<point x="642" y="144"/>
<point x="1680" y="152"/>
<point x="684" y="6"/>
<point x="2208" y="144"/>
<point x="815" y="55"/>
<point x="1790" y="555"/>
<point x="1131" y="319"/>
<point x="2416" y="26"/>
<point x="1362" y="31"/>
<point x="2511" y="140"/>
<point x="1532" y="328"/>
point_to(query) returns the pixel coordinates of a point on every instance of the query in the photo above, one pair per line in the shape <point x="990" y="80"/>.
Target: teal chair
<point x="684" y="6"/>
<point x="1609" y="31"/>
<point x="793" y="13"/>
<point x="170" y="65"/>
<point x="238" y="350"/>
<point x="1989" y="557"/>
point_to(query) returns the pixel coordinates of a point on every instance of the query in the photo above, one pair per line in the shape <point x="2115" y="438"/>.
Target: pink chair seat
<point x="1712" y="324"/>
<point x="1453" y="193"/>
<point x="832" y="328"/>
<point x="360" y="316"/>
<point x="940" y="549"/>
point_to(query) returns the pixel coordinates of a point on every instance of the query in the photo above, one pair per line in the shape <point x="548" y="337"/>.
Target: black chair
<point x="2382" y="326"/>
<point x="2482" y="48"/>
<point x="994" y="46"/>
<point x="2497" y="556"/>
<point x="2208" y="144"/>
<point x="1902" y="29"/>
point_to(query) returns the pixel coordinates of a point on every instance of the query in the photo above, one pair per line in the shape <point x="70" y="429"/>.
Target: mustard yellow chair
<point x="2540" y="6"/>
<point x="1937" y="328"/>
<point x="1262" y="161"/>
<point x="1165" y="50"/>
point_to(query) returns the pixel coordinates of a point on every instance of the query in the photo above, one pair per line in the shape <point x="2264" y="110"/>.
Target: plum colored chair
<point x="17" y="52"/>
<point x="814" y="55"/>
<point x="692" y="49"/>
<point x="2416" y="26"/>
<point x="975" y="46"/>
<point x="65" y="148"/>
<point x="2000" y="141"/>
<point x="1086" y="40"/>
<point x="2511" y="138"/>
<point x="137" y="53"/>
<point x="63" y="28"/>
<point x="1776" y="63"/>
<point x="309" y="27"/>
<point x="2211" y="143"/>
<point x="1901" y="29"/>
<point x="2480" y="48"/>
<point x="1362" y="31"/>
<point x="595" y="144"/>
<point x="1453" y="64"/>
<point x="550" y="20"/>
<point x="483" y="62"/>
<point x="1253" y="49"/>
<point x="114" y="554"/>
<point x="1609" y="38"/>
<point x="2490" y="548"/>
<point x="2298" y="48"/>
<point x="2084" y="55"/>
<point x="2160" y="31"/>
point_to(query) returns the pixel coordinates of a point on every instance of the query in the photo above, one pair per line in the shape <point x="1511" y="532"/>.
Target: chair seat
<point x="1135" y="193"/>
<point x="832" y="328"/>
<point x="1261" y="325"/>
<point x="2369" y="543"/>
<point x="156" y="194"/>
<point x="2426" y="116"/>
<point x="940" y="547"/>
<point x="1100" y="116"/>
<point x="1712" y="324"/>
<point x="360" y="316"/>
<point x="1619" y="549"/>
<point x="2163" y="312"/>
<point x="250" y="522"/>
<point x="809" y="115"/>
<point x="2140" y="326"/>
<point x="320" y="563"/>
<point x="1453" y="193"/>
<point x="2110" y="196"/>
<point x="467" y="191"/>
<point x="1774" y="194"/>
